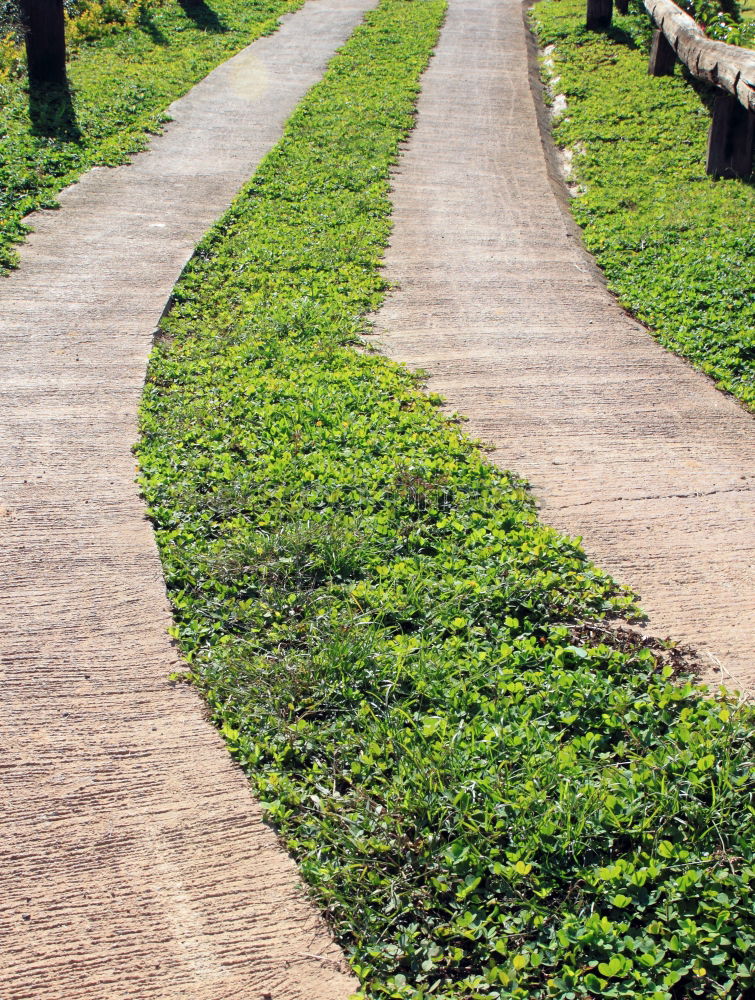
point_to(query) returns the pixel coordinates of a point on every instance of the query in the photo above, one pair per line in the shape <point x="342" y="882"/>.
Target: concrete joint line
<point x="664" y="496"/>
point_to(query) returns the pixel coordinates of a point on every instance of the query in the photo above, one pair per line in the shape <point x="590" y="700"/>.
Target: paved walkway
<point x="622" y="442"/>
<point x="133" y="861"/>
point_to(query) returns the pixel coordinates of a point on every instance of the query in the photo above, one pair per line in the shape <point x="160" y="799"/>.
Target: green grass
<point x="120" y="86"/>
<point x="676" y="246"/>
<point x="488" y="797"/>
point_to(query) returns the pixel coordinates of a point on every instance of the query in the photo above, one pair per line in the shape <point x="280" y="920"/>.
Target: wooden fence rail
<point x="730" y="68"/>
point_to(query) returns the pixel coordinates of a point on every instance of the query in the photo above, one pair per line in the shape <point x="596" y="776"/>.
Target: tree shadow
<point x="52" y="112"/>
<point x="203" y="16"/>
<point x="614" y="32"/>
<point x="148" y="26"/>
<point x="621" y="37"/>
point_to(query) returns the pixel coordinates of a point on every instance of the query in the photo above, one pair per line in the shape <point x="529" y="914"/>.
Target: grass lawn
<point x="490" y="795"/>
<point x="677" y="246"/>
<point x="120" y="86"/>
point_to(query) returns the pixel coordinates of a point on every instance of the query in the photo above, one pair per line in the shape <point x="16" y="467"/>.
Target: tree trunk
<point x="44" y="26"/>
<point x="599" y="14"/>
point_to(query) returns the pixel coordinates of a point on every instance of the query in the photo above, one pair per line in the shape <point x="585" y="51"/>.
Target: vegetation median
<point x="490" y="795"/>
<point x="676" y="245"/>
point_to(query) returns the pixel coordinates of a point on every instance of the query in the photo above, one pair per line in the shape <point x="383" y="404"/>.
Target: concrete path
<point x="133" y="861"/>
<point x="623" y="443"/>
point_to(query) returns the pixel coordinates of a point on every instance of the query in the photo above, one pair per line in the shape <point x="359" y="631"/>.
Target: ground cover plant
<point x="128" y="62"/>
<point x="489" y="797"/>
<point x="676" y="245"/>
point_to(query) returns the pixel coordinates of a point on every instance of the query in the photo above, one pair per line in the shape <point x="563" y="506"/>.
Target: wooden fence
<point x="729" y="68"/>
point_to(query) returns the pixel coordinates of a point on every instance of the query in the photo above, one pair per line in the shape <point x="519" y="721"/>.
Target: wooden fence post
<point x="662" y="55"/>
<point x="44" y="27"/>
<point x="599" y="14"/>
<point x="730" y="139"/>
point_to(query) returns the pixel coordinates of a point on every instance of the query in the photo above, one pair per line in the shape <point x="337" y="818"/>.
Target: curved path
<point x="623" y="443"/>
<point x="133" y="860"/>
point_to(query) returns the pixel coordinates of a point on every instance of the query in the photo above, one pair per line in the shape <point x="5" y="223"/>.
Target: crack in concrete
<point x="659" y="496"/>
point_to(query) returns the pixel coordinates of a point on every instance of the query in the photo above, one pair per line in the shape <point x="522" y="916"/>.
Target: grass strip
<point x="676" y="245"/>
<point x="488" y="797"/>
<point x="120" y="86"/>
